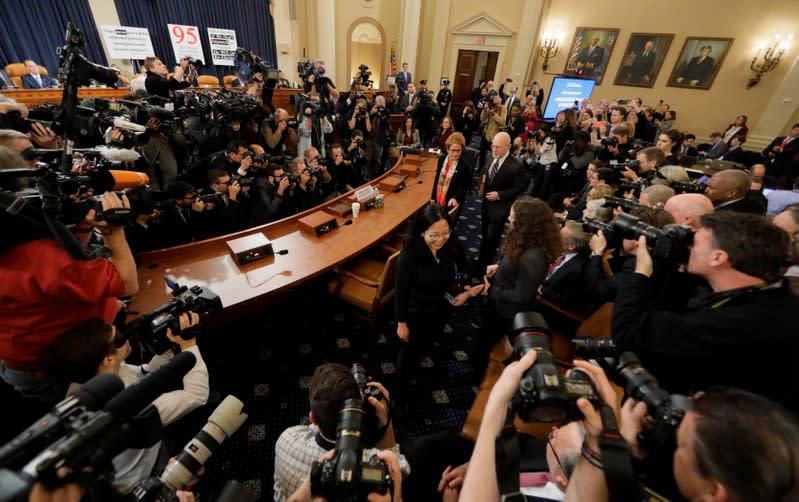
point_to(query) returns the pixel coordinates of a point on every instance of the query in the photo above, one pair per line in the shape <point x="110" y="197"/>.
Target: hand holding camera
<point x="189" y="323"/>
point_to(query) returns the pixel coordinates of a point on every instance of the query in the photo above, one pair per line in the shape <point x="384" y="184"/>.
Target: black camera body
<point x="150" y="328"/>
<point x="349" y="475"/>
<point x="544" y="395"/>
<point x="364" y="75"/>
<point x="610" y="141"/>
<point x="257" y="65"/>
<point x="687" y="187"/>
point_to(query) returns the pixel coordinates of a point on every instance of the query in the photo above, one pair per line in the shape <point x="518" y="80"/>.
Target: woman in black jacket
<point x="453" y="174"/>
<point x="531" y="244"/>
<point x="426" y="272"/>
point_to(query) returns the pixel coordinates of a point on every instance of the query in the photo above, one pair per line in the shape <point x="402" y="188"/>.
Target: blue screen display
<point x="564" y="92"/>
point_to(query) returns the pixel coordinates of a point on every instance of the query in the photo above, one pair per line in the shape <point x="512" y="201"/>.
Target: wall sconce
<point x="549" y="47"/>
<point x="769" y="60"/>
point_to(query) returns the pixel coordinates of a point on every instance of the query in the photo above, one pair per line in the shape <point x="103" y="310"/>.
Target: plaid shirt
<point x="296" y="449"/>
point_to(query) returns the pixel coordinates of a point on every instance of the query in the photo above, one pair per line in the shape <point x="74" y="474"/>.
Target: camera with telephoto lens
<point x="257" y="65"/>
<point x="244" y="181"/>
<point x="672" y="242"/>
<point x="626" y="204"/>
<point x="686" y="187"/>
<point x="626" y="370"/>
<point x="150" y="328"/>
<point x="196" y="63"/>
<point x="304" y="68"/>
<point x="371" y="429"/>
<point x="223" y="423"/>
<point x="544" y="395"/>
<point x="350" y="475"/>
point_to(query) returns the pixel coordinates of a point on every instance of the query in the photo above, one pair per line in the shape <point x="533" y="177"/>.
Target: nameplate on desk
<point x="250" y="248"/>
<point x="390" y="183"/>
<point x="317" y="223"/>
<point x="364" y="194"/>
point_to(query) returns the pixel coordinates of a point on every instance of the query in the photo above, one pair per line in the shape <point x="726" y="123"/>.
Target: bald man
<point x="730" y="191"/>
<point x="687" y="208"/>
<point x="656" y="195"/>
<point x="505" y="179"/>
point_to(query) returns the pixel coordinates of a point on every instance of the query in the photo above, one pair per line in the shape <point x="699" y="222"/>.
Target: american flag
<point x="571" y="64"/>
<point x="393" y="60"/>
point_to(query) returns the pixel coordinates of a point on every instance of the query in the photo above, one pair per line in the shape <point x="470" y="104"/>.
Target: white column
<point x="409" y="35"/>
<point x="325" y="18"/>
<point x="283" y="39"/>
<point x="440" y="34"/>
<point x="527" y="41"/>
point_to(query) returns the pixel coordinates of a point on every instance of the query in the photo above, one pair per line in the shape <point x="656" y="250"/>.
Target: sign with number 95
<point x="185" y="41"/>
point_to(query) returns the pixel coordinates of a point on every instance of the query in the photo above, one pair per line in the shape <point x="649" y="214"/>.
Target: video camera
<point x="257" y="65"/>
<point x="364" y="76"/>
<point x="687" y="187"/>
<point x="544" y="395"/>
<point x="351" y="473"/>
<point x="626" y="370"/>
<point x="223" y="423"/>
<point x="150" y="328"/>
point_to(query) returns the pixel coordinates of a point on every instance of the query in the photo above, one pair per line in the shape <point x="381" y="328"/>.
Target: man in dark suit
<point x="404" y="78"/>
<point x="699" y="70"/>
<point x="509" y="99"/>
<point x="453" y="175"/>
<point x="729" y="190"/>
<point x="687" y="147"/>
<point x="640" y="72"/>
<point x="406" y="102"/>
<point x="589" y="61"/>
<point x="736" y="152"/>
<point x="565" y="282"/>
<point x="505" y="179"/>
<point x="34" y="79"/>
<point x="783" y="155"/>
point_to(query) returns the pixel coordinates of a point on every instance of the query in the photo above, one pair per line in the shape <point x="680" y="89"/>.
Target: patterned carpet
<point x="268" y="360"/>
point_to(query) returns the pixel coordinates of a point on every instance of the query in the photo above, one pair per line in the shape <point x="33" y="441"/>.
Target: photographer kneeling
<point x="331" y="386"/>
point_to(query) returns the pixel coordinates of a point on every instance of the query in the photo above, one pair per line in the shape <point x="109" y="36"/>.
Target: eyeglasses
<point x="551" y="438"/>
<point x="434" y="236"/>
<point x="228" y="182"/>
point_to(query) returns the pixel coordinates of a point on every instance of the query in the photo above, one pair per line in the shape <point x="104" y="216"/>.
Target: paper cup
<point x="356" y="208"/>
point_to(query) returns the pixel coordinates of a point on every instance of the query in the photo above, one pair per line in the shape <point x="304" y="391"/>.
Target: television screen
<point x="564" y="92"/>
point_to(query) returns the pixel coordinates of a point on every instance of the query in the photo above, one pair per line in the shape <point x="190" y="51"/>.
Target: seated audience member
<point x="599" y="175"/>
<point x="18" y="143"/>
<point x="34" y="79"/>
<point x="669" y="143"/>
<point x="95" y="347"/>
<point x="225" y="215"/>
<point x="740" y="256"/>
<point x="717" y="146"/>
<point x="780" y="199"/>
<point x="182" y="222"/>
<point x="299" y="446"/>
<point x="565" y="282"/>
<point x="687" y="147"/>
<point x="735" y="152"/>
<point x="619" y="151"/>
<point x="788" y="220"/>
<point x="667" y="174"/>
<point x="731" y="445"/>
<point x="45" y="292"/>
<point x="158" y="83"/>
<point x="688" y="208"/>
<point x="729" y="190"/>
<point x="656" y="195"/>
<point x="594" y="204"/>
<point x="758" y="173"/>
<point x="269" y="196"/>
<point x="408" y="135"/>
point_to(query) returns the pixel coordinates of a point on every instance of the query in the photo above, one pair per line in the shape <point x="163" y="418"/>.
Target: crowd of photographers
<point x="702" y="331"/>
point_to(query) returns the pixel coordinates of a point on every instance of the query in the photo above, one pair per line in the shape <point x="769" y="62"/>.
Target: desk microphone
<point x="282" y="251"/>
<point x="348" y="222"/>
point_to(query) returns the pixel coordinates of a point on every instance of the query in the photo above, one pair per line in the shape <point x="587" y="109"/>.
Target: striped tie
<point x="493" y="171"/>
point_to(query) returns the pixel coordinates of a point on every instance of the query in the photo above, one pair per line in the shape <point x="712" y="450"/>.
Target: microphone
<point x="107" y="180"/>
<point x="119" y="154"/>
<point x="92" y="396"/>
<point x="126" y="125"/>
<point x="132" y="400"/>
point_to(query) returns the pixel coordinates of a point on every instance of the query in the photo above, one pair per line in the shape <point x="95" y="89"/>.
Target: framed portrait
<point x="590" y="52"/>
<point x="699" y="62"/>
<point x="643" y="58"/>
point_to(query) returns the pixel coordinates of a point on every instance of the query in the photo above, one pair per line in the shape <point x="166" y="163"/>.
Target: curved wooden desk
<point x="36" y="97"/>
<point x="242" y="288"/>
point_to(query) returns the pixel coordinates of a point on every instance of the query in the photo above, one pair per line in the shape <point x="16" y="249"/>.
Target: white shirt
<point x="548" y="491"/>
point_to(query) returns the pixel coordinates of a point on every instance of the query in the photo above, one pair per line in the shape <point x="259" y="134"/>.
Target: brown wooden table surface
<point x="243" y="288"/>
<point x="36" y="97"/>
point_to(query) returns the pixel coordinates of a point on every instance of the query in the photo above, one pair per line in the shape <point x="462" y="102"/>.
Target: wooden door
<point x="464" y="77"/>
<point x="491" y="68"/>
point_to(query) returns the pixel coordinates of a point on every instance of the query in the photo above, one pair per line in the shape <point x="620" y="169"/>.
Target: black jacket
<point x="568" y="286"/>
<point x="510" y="181"/>
<point x="514" y="287"/>
<point x="461" y="179"/>
<point x="744" y="338"/>
<point x="422" y="283"/>
<point x="157" y="85"/>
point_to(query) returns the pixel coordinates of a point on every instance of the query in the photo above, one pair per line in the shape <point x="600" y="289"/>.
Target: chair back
<point x="207" y="80"/>
<point x="228" y="80"/>
<point x="388" y="280"/>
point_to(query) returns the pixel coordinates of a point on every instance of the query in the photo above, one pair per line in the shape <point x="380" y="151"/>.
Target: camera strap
<point x="507" y="463"/>
<point x="616" y="460"/>
<point x="323" y="442"/>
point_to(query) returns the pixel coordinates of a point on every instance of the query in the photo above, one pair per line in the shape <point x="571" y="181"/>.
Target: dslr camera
<point x="610" y="141"/>
<point x="544" y="395"/>
<point x="350" y="474"/>
<point x="365" y="74"/>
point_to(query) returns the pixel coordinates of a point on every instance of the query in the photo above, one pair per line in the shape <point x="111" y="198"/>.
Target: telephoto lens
<point x="224" y="421"/>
